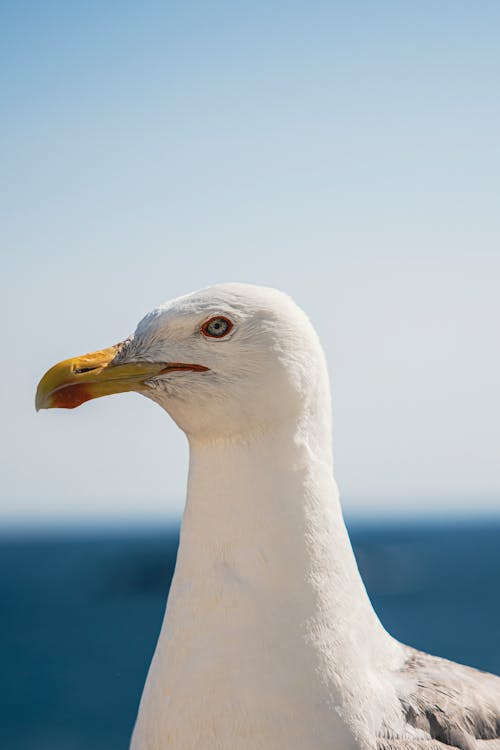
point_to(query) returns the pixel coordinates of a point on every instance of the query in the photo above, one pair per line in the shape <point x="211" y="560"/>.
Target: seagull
<point x="269" y="640"/>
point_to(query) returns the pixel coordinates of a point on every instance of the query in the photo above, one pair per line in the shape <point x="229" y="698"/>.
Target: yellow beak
<point x="74" y="381"/>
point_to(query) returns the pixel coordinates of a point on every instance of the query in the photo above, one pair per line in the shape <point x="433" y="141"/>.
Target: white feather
<point x="269" y="640"/>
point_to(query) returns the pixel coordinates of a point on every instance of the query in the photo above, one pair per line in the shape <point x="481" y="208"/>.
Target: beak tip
<point x="40" y="397"/>
<point x="39" y="404"/>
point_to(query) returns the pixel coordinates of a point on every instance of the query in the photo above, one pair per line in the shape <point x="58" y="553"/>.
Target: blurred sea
<point x="80" y="614"/>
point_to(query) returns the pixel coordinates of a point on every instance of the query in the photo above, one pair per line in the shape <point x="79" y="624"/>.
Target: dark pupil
<point x="218" y="327"/>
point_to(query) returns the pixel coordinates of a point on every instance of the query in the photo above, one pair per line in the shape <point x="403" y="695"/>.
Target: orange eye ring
<point x="217" y="327"/>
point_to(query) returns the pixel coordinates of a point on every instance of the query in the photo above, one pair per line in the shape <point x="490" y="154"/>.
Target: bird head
<point x="222" y="361"/>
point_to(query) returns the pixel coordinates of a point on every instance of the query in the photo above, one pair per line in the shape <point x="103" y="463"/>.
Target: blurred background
<point x="346" y="153"/>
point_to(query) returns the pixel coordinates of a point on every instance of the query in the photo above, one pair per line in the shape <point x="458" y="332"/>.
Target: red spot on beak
<point x="70" y="396"/>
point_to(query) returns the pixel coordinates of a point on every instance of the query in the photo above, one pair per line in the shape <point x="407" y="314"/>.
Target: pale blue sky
<point x="346" y="152"/>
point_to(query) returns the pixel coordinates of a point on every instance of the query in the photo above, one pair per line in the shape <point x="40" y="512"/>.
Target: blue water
<point x="80" y="614"/>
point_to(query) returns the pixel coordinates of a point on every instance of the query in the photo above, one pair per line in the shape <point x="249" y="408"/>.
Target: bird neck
<point x="263" y="516"/>
<point x="267" y="615"/>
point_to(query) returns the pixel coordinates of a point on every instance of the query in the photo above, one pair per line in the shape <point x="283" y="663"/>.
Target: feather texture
<point x="453" y="704"/>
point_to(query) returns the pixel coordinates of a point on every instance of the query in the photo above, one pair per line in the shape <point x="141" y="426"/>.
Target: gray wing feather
<point x="411" y="744"/>
<point x="453" y="704"/>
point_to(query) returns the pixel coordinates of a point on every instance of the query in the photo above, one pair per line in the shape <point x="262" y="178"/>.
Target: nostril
<point x="81" y="370"/>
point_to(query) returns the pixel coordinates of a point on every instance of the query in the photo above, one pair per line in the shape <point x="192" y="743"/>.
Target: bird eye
<point x="217" y="327"/>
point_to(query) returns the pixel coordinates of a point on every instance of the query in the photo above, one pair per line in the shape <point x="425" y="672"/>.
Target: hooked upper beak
<point x="74" y="381"/>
